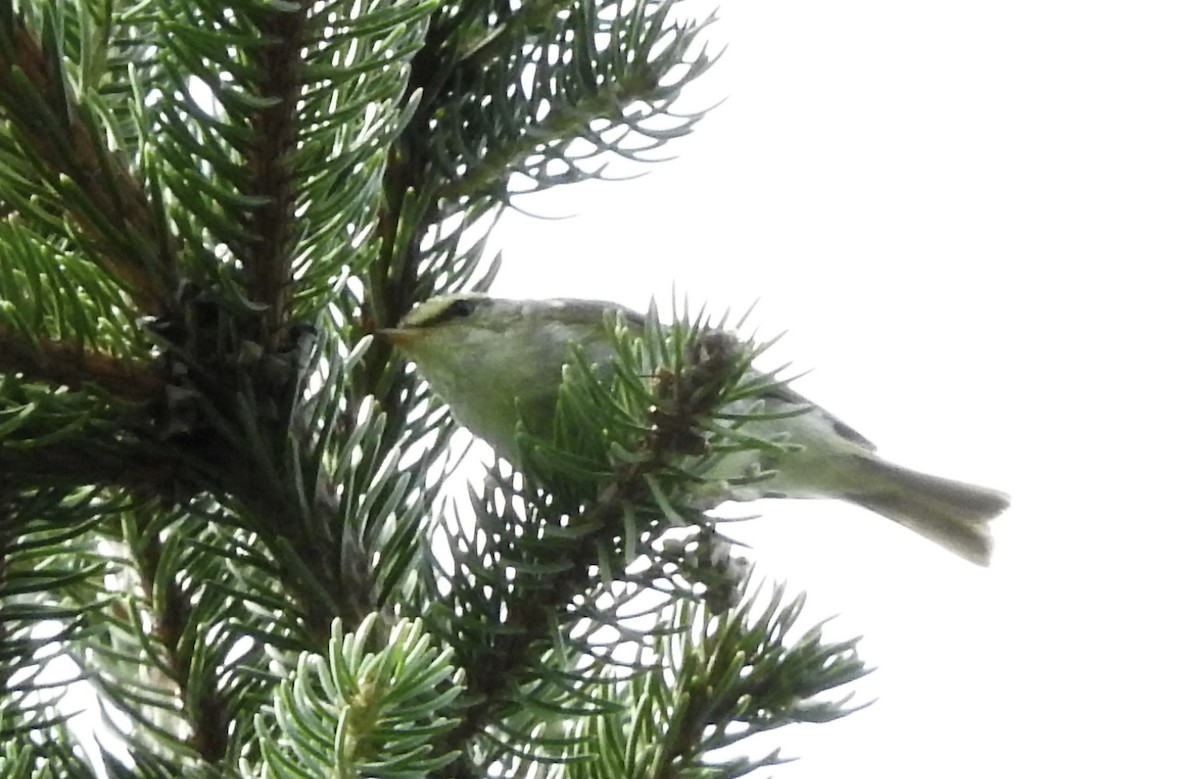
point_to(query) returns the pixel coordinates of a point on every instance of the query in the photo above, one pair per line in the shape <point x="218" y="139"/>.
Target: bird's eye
<point x="459" y="308"/>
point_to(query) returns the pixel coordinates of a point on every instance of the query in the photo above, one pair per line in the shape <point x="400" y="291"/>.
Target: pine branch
<point x="684" y="393"/>
<point x="594" y="78"/>
<point x="41" y="550"/>
<point x="407" y="211"/>
<point x="276" y="64"/>
<point x="529" y="19"/>
<point x="323" y="565"/>
<point x="560" y="124"/>
<point x="61" y="137"/>
<point x="355" y="710"/>
<point x="58" y="363"/>
<point x="747" y="677"/>
<point x="208" y="716"/>
<point x="187" y="648"/>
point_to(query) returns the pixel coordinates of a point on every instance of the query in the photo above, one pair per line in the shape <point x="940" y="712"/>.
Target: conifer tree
<point x="223" y="506"/>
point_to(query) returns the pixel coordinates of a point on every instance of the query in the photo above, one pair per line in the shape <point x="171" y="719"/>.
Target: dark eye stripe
<point x="455" y="310"/>
<point x="459" y="308"/>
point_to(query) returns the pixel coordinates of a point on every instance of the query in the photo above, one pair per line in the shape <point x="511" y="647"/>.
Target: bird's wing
<point x="591" y="312"/>
<point x="780" y="392"/>
<point x="786" y="394"/>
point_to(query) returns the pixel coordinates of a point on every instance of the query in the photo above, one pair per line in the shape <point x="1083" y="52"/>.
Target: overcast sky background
<point x="978" y="223"/>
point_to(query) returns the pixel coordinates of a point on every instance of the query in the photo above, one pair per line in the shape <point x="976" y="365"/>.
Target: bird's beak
<point x="399" y="336"/>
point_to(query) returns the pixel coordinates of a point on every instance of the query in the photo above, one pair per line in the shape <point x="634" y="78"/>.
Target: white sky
<point x="978" y="223"/>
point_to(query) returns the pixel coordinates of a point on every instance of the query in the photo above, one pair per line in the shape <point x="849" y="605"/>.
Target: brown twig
<point x="71" y="365"/>
<point x="274" y="130"/>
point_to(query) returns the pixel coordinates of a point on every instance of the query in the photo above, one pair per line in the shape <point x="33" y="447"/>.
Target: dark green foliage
<point x="223" y="508"/>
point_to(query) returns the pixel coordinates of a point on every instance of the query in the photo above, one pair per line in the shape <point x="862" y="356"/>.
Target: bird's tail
<point x="950" y="513"/>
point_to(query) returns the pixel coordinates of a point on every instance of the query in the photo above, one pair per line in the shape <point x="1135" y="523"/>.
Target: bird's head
<point x="445" y="323"/>
<point x="487" y="356"/>
<point x="471" y="327"/>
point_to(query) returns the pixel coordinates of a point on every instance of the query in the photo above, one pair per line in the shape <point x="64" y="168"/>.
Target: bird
<point x="498" y="364"/>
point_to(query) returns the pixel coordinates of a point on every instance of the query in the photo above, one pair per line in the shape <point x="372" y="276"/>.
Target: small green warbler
<point x="499" y="362"/>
